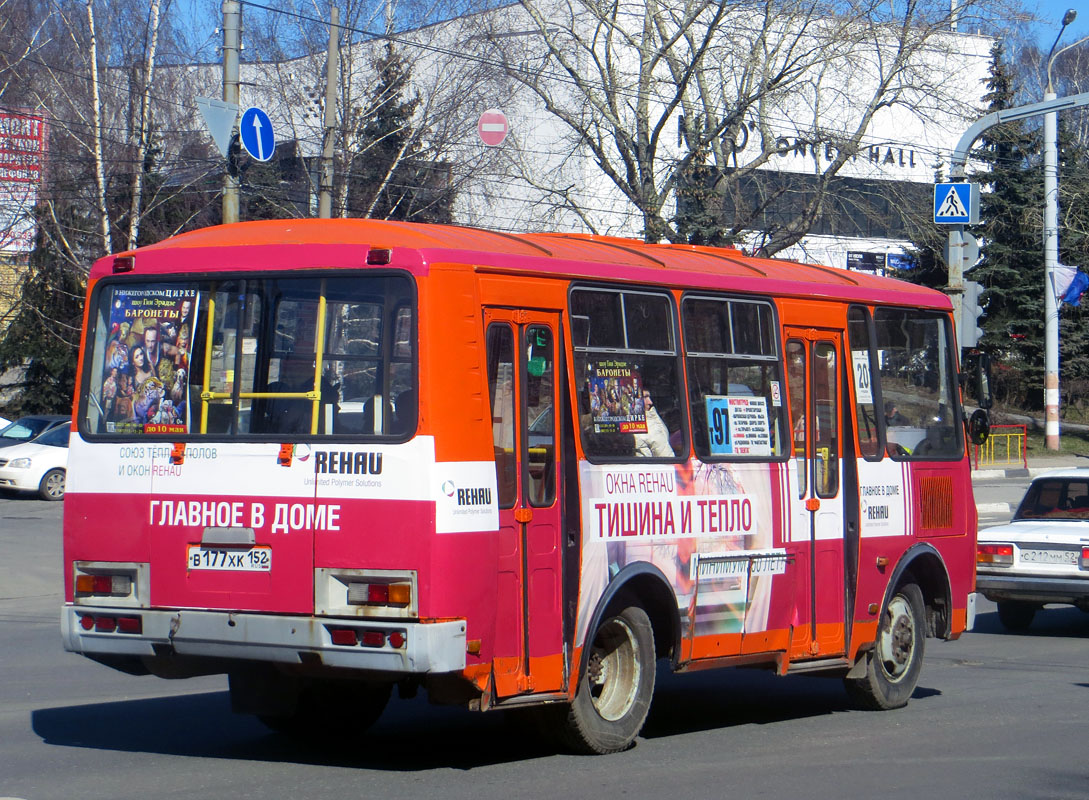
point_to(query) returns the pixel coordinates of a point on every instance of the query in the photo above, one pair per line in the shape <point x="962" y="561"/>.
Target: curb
<point x="1013" y="472"/>
<point x="994" y="508"/>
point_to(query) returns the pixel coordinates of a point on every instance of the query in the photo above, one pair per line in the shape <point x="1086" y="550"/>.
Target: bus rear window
<point x="259" y="356"/>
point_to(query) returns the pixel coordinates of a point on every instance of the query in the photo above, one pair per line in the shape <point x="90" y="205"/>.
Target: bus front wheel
<point x="894" y="663"/>
<point x="615" y="690"/>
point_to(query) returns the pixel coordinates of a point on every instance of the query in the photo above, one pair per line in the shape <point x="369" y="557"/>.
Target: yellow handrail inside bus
<point x="205" y="395"/>
<point x="319" y="337"/>
<point x="314" y="395"/>
<point x="310" y="395"/>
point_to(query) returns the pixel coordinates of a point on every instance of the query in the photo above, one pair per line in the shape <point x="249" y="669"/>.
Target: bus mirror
<point x="978" y="373"/>
<point x="979" y="427"/>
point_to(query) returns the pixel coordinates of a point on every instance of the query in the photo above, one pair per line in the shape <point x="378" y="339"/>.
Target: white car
<point x="38" y="465"/>
<point x="1042" y="555"/>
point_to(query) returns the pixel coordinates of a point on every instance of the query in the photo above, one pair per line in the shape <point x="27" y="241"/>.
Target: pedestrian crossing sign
<point x="956" y="203"/>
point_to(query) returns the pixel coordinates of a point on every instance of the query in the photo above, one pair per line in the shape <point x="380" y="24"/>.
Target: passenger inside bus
<point x="655" y="442"/>
<point x="377" y="415"/>
<point x="893" y="417"/>
<point x="290" y="414"/>
<point x="404" y="412"/>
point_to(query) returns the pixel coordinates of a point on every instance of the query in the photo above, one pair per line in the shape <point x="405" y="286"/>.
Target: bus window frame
<point x="685" y="445"/>
<point x="952" y="351"/>
<point x="875" y="385"/>
<point x="212" y="276"/>
<point x="777" y="357"/>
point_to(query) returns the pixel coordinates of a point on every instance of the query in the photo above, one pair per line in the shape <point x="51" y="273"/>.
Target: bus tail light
<point x="362" y="593"/>
<point x="373" y="638"/>
<point x="365" y="637"/>
<point x="379" y="594"/>
<point x="999" y="555"/>
<point x="343" y="636"/>
<point x="130" y="624"/>
<point x="379" y="257"/>
<point x="108" y="623"/>
<point x="103" y="585"/>
<point x="118" y="583"/>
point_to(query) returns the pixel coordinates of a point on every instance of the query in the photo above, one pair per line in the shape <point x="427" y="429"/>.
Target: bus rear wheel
<point x="615" y="690"/>
<point x="894" y="664"/>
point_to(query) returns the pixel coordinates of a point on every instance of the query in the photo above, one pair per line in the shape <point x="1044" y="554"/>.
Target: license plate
<point x="253" y="559"/>
<point x="1049" y="556"/>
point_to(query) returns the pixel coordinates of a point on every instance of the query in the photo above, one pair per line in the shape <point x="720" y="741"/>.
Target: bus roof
<point x="585" y="256"/>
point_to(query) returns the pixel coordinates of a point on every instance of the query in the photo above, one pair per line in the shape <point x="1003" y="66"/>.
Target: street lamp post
<point x="1051" y="248"/>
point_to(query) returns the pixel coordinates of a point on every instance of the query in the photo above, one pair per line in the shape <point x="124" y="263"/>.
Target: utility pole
<point x="332" y="70"/>
<point x="1051" y="260"/>
<point x="1047" y="109"/>
<point x="232" y="23"/>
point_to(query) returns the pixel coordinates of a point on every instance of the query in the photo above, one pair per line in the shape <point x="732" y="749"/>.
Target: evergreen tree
<point x="394" y="177"/>
<point x="41" y="342"/>
<point x="1011" y="271"/>
<point x="699" y="208"/>
<point x="929" y="269"/>
<point x="275" y="189"/>
<point x="1073" y="251"/>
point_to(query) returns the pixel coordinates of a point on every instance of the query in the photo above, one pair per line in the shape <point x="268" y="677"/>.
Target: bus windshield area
<point x="917" y="378"/>
<point x="261" y="356"/>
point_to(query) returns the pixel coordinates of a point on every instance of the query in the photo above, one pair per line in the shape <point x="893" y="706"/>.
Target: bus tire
<point x="337" y="711"/>
<point x="616" y="688"/>
<point x="1016" y="615"/>
<point x="894" y="663"/>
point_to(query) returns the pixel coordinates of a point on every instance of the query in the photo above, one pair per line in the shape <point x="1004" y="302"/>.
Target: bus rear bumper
<point x="424" y="647"/>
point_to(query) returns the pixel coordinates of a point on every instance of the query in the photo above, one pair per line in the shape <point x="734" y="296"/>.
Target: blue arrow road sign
<point x="956" y="203"/>
<point x="255" y="130"/>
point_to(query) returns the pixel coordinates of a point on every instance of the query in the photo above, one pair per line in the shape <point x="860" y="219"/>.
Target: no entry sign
<point x="492" y="127"/>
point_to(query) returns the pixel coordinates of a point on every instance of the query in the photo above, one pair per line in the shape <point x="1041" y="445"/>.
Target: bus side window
<point x="826" y="433"/>
<point x="863" y="371"/>
<point x="626" y="352"/>
<point x="500" y="354"/>
<point x="916" y="380"/>
<point x="734" y="378"/>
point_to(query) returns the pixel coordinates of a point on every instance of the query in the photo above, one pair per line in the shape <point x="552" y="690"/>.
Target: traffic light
<point x="968" y="329"/>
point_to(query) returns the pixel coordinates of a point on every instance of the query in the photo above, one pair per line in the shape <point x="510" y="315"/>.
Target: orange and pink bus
<point x="328" y="458"/>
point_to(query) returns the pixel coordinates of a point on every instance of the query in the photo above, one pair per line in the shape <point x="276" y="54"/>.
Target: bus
<point x="328" y="458"/>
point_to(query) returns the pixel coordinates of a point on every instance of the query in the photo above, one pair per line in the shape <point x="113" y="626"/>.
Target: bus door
<point x="524" y="369"/>
<point x="817" y="514"/>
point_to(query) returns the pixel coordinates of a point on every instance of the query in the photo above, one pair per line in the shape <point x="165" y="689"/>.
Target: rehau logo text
<point x="474" y="497"/>
<point x="346" y="463"/>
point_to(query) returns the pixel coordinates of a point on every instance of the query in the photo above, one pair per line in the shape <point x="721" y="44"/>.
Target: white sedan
<point x="1042" y="555"/>
<point x="38" y="465"/>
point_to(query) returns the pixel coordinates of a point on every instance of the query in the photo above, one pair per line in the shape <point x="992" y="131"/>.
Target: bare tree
<point x="290" y="40"/>
<point x="658" y="92"/>
<point x="96" y="128"/>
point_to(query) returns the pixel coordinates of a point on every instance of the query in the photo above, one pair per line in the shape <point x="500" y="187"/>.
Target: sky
<point x="1052" y="11"/>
